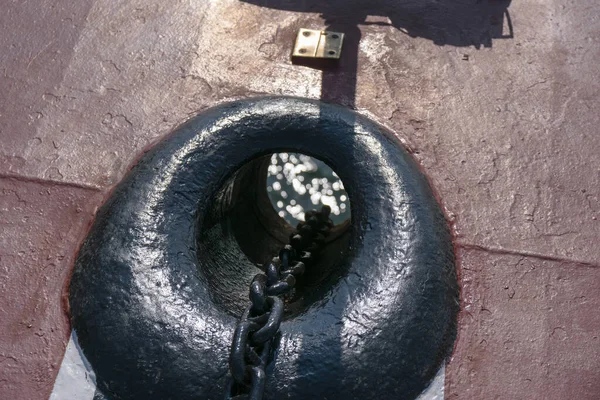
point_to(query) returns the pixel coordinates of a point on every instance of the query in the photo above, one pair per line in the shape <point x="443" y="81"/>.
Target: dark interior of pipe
<point x="242" y="232"/>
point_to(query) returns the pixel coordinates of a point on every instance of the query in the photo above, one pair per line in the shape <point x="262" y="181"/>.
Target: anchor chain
<point x="253" y="337"/>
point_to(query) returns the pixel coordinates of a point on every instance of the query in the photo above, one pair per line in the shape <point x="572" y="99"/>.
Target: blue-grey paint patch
<point x="76" y="379"/>
<point x="435" y="391"/>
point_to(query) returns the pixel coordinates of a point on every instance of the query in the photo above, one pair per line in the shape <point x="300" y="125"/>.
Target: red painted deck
<point x="509" y="135"/>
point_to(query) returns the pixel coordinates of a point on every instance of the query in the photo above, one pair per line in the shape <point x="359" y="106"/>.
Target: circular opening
<point x="297" y="183"/>
<point x="331" y="52"/>
<point x="335" y="36"/>
<point x="252" y="216"/>
<point x="302" y="51"/>
<point x="306" y="33"/>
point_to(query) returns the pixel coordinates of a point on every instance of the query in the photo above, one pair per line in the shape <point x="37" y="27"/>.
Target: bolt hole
<point x="302" y="51"/>
<point x="306" y="33"/>
<point x="335" y="36"/>
<point x="331" y="52"/>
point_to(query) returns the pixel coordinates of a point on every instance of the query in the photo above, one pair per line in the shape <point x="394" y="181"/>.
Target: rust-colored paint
<point x="41" y="224"/>
<point x="528" y="324"/>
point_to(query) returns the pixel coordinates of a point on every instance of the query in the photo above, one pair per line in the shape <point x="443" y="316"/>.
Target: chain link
<point x="253" y="337"/>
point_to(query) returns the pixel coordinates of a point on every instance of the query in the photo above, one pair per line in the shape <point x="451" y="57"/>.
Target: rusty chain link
<point x="253" y="338"/>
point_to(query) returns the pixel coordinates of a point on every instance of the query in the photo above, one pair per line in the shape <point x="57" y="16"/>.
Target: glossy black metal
<point x="264" y="316"/>
<point x="276" y="315"/>
<point x="237" y="360"/>
<point x="155" y="301"/>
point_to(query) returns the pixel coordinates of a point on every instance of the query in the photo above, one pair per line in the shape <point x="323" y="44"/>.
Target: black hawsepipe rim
<point x="164" y="272"/>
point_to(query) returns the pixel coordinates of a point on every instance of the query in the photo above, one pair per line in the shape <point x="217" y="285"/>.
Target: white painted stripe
<point x="435" y="391"/>
<point x="76" y="379"/>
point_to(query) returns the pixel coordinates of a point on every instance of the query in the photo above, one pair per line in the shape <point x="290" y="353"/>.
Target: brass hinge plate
<point x="312" y="43"/>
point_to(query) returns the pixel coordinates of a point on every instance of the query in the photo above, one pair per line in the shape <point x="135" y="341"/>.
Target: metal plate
<point x="312" y="43"/>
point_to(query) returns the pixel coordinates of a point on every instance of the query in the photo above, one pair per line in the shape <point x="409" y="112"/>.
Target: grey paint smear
<point x="435" y="391"/>
<point x="76" y="379"/>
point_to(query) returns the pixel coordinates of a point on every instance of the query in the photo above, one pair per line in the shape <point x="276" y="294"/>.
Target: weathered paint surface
<point x="508" y="135"/>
